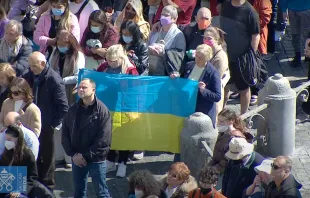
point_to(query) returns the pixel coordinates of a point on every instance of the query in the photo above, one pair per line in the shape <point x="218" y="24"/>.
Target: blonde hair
<point x="65" y="22"/>
<point x="8" y="71"/>
<point x="117" y="52"/>
<point x="206" y="50"/>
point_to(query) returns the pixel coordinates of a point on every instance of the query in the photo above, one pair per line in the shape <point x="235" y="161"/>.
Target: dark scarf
<point x="36" y="83"/>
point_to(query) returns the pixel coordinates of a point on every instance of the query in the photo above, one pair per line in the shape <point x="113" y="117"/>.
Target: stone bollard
<point x="278" y="135"/>
<point x="197" y="128"/>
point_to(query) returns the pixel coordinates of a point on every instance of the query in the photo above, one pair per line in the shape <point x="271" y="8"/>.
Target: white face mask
<point x="9" y="145"/>
<point x="222" y="128"/>
<point x="139" y="193"/>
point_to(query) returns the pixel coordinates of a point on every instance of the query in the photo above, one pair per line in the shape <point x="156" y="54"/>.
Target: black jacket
<point x="238" y="177"/>
<point x="87" y="131"/>
<point x="28" y="161"/>
<point x="3" y="97"/>
<point x="51" y="97"/>
<point x="141" y="56"/>
<point x="288" y="189"/>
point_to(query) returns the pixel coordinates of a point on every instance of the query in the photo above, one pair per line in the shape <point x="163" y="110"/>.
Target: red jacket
<point x="130" y="70"/>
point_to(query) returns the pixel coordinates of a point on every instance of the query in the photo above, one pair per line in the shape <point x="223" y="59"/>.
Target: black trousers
<point x="122" y="157"/>
<point x="46" y="158"/>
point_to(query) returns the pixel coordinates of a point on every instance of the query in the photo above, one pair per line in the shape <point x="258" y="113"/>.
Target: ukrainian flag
<point x="148" y="112"/>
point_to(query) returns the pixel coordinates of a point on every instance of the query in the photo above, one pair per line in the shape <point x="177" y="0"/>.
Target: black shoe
<point x="296" y="62"/>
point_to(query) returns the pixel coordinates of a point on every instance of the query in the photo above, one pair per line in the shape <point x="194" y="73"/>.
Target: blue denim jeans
<point x="97" y="172"/>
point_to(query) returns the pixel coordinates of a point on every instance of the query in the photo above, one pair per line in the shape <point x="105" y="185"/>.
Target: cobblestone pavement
<point x="158" y="163"/>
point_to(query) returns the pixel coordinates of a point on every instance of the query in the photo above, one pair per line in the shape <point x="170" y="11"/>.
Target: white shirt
<point x="196" y="73"/>
<point x="169" y="192"/>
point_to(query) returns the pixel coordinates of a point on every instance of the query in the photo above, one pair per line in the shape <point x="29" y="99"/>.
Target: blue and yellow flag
<point x="148" y="112"/>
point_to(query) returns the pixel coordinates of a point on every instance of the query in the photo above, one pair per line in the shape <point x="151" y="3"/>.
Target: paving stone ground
<point x="158" y="162"/>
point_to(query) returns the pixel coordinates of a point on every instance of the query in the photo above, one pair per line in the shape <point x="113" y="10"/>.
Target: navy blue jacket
<point x="207" y="98"/>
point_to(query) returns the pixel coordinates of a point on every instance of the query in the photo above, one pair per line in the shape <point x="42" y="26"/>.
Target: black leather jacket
<point x="141" y="57"/>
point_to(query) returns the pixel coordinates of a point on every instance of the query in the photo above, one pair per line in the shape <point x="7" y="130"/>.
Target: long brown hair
<point x="10" y="157"/>
<point x="65" y="23"/>
<point x="23" y="87"/>
<point x="232" y="116"/>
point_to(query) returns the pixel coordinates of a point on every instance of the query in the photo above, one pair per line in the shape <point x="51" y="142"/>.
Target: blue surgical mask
<point x="57" y="12"/>
<point x="63" y="49"/>
<point x="95" y="29"/>
<point x="127" y="39"/>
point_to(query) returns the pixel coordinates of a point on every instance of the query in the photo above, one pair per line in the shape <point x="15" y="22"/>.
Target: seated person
<point x="30" y="137"/>
<point x="136" y="48"/>
<point x="143" y="184"/>
<point x="169" y="40"/>
<point x="178" y="182"/>
<point x="97" y="38"/>
<point x="16" y="153"/>
<point x="208" y="178"/>
<point x="209" y="79"/>
<point x="133" y="11"/>
<point x="15" y="48"/>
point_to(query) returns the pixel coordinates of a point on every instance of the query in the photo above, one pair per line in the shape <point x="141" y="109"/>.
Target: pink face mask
<point x="208" y="42"/>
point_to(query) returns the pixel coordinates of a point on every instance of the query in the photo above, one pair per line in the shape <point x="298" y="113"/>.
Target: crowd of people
<point x="44" y="44"/>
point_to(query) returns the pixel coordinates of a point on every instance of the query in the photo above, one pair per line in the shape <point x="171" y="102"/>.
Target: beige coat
<point x="31" y="118"/>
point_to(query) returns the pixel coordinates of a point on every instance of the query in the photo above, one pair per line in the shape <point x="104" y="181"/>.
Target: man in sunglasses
<point x="284" y="184"/>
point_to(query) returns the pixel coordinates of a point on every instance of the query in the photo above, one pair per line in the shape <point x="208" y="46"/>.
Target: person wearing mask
<point x="284" y="185"/>
<point x="239" y="173"/>
<point x="16" y="153"/>
<point x="208" y="179"/>
<point x="15" y="48"/>
<point x="30" y="137"/>
<point x="194" y="32"/>
<point x="136" y="48"/>
<point x="241" y="23"/>
<point x="261" y="181"/>
<point x="50" y="96"/>
<point x="7" y="75"/>
<point x="184" y="8"/>
<point x="178" y="182"/>
<point x="134" y="11"/>
<point x="82" y="10"/>
<point x="86" y="138"/>
<point x="57" y="18"/>
<point x="169" y="41"/>
<point x="3" y="21"/>
<point x="97" y="38"/>
<point x="209" y="79"/>
<point x="298" y="12"/>
<point x="214" y="37"/>
<point x="21" y="101"/>
<point x="229" y="126"/>
<point x="142" y="184"/>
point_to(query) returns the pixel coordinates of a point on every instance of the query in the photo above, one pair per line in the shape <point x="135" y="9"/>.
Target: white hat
<point x="239" y="148"/>
<point x="265" y="166"/>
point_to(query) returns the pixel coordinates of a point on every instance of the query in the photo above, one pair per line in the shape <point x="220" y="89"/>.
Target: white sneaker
<point x="121" y="171"/>
<point x="110" y="166"/>
<point x="138" y="155"/>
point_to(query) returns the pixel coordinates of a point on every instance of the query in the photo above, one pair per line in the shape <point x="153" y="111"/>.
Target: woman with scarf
<point x="136" y="48"/>
<point x="168" y="42"/>
<point x="15" y="48"/>
<point x="97" y="38"/>
<point x="57" y="18"/>
<point x="7" y="75"/>
<point x="133" y="11"/>
<point x="117" y="63"/>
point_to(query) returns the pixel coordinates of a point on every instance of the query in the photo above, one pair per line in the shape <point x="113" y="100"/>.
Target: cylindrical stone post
<point x="198" y="127"/>
<point x="280" y="116"/>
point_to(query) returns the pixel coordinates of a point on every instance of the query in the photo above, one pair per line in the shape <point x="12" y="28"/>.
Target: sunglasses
<point x="16" y="93"/>
<point x="275" y="167"/>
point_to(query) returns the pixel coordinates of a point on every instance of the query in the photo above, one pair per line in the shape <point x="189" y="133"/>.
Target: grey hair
<point x="17" y="24"/>
<point x="171" y="10"/>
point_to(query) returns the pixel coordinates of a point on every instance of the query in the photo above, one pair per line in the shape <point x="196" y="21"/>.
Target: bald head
<point x="12" y="118"/>
<point x="204" y="12"/>
<point x="37" y="62"/>
<point x="203" y="18"/>
<point x="284" y="161"/>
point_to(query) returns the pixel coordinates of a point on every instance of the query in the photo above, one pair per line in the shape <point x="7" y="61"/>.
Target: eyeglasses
<point x="275" y="167"/>
<point x="16" y="93"/>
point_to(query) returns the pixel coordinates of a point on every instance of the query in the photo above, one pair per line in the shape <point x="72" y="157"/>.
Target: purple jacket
<point x="40" y="35"/>
<point x="18" y="6"/>
<point x="2" y="27"/>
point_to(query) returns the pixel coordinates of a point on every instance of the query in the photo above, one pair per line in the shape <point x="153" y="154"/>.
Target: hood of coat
<point x="183" y="189"/>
